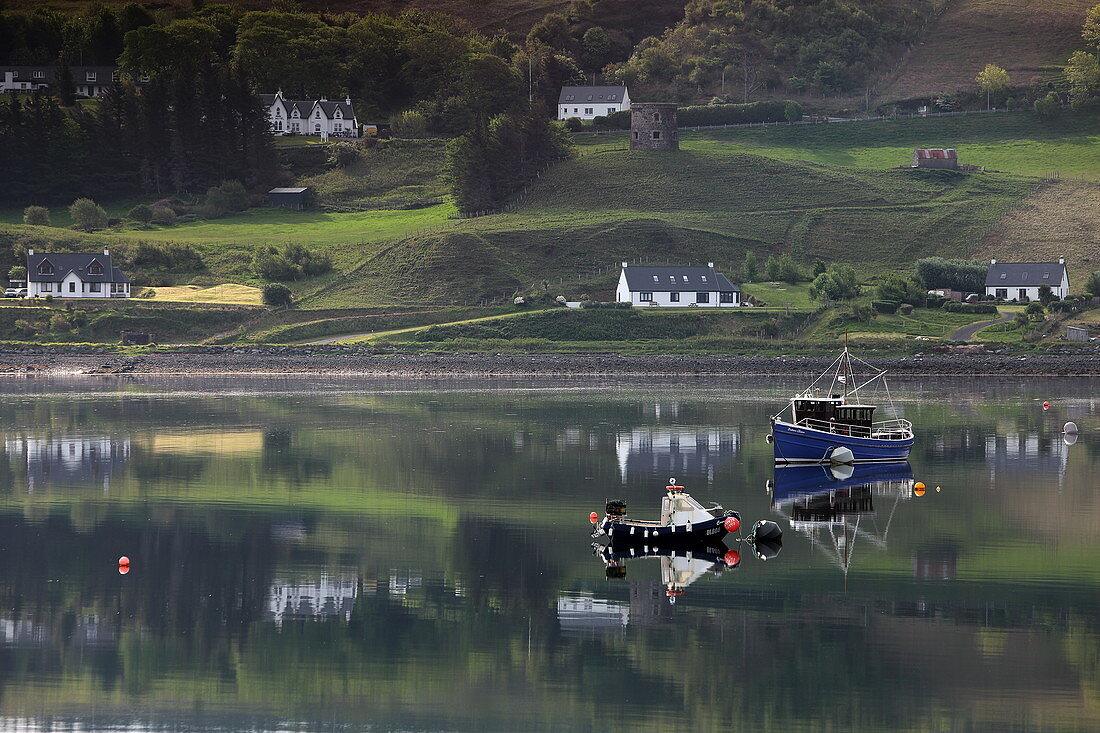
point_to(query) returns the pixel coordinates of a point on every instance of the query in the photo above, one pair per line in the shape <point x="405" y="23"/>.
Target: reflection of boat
<point x="680" y="566"/>
<point x="830" y="427"/>
<point x="683" y="521"/>
<point x="835" y="505"/>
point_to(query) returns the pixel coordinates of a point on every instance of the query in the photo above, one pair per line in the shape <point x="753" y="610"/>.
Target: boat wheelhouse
<point x="831" y="427"/>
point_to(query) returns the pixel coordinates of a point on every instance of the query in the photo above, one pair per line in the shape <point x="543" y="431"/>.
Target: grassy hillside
<point x="392" y="172"/>
<point x="1027" y="38"/>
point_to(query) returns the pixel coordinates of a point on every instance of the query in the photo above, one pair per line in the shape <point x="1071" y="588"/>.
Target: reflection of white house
<point x="324" y="598"/>
<point x="585" y="613"/>
<point x="675" y="451"/>
<point x="1026" y="456"/>
<point x="70" y="460"/>
<point x="26" y="632"/>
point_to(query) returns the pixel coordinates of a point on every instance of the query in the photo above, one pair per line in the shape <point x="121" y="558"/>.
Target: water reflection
<point x="70" y="460"/>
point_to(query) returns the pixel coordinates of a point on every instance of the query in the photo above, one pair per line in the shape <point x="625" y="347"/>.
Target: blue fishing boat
<point x="833" y="425"/>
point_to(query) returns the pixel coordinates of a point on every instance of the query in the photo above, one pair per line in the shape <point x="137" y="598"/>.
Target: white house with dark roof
<point x="88" y="81"/>
<point x="75" y="276"/>
<point x="676" y="287"/>
<point x="587" y="103"/>
<point x="303" y="117"/>
<point x="1022" y="280"/>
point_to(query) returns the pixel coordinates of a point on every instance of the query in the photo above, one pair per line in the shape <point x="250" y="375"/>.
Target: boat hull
<point x="797" y="444"/>
<point x="625" y="532"/>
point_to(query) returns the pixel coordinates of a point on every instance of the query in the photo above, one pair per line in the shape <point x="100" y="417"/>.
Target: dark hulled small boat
<point x="683" y="521"/>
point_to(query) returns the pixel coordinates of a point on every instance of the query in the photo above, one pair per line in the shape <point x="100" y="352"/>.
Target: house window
<point x="1023" y="294"/>
<point x="95" y="268"/>
<point x="46" y="287"/>
<point x="45" y="268"/>
<point x="38" y="74"/>
<point x="635" y="134"/>
<point x="611" y="110"/>
<point x="612" y="96"/>
<point x="704" y="277"/>
<point x="72" y="287"/>
<point x="94" y="287"/>
<point x="645" y="297"/>
<point x="1001" y="293"/>
<point x="674" y="297"/>
<point x="656" y="116"/>
<point x="656" y="134"/>
<point x="702" y="297"/>
<point x="114" y="76"/>
<point x="317" y="128"/>
<point x="574" y="110"/>
<point x="338" y="127"/>
<point x="295" y="126"/>
<point x="90" y="76"/>
<point x="1046" y="275"/>
<point x="588" y="110"/>
<point x="725" y="297"/>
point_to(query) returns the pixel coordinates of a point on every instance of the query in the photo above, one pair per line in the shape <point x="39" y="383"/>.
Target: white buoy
<point x="840" y="454"/>
<point x="842" y="471"/>
<point x="1070" y="428"/>
<point x="1069" y="438"/>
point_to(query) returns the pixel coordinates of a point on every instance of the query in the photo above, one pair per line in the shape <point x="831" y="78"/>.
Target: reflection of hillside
<point x="222" y="443"/>
<point x="70" y="460"/>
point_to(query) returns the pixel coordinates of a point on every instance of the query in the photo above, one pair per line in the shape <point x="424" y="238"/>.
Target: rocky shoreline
<point x="349" y="361"/>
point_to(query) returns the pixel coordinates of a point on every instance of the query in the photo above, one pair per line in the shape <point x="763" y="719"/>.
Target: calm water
<point x="416" y="556"/>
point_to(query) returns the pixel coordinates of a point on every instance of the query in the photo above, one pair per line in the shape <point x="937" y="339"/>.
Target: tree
<point x="789" y="272"/>
<point x="17" y="273"/>
<point x="901" y="290"/>
<point x="771" y="269"/>
<point x="967" y="276"/>
<point x="66" y="87"/>
<point x="992" y="79"/>
<point x="1046" y="294"/>
<point x="1048" y="107"/>
<point x="1083" y="77"/>
<point x="142" y="213"/>
<point x="751" y="268"/>
<point x="36" y="216"/>
<point x="87" y="215"/>
<point x="792" y="112"/>
<point x="276" y="295"/>
<point x="1091" y="30"/>
<point x="1092" y="284"/>
<point x="839" y="282"/>
<point x="819" y="267"/>
<point x="596" y="48"/>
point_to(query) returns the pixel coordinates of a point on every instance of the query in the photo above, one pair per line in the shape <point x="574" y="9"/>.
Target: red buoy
<point x="732" y="524"/>
<point x="1046" y="405"/>
<point x="123" y="569"/>
<point x="123" y="561"/>
<point x="732" y="558"/>
<point x="593" y="517"/>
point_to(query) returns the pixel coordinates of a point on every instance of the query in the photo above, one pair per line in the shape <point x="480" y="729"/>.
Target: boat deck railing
<point x="884" y="430"/>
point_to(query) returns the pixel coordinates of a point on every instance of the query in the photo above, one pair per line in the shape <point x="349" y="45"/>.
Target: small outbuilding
<point x="300" y="197"/>
<point x="943" y="158"/>
<point x="1076" y="333"/>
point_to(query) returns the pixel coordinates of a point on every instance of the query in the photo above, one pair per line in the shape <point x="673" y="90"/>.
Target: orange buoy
<point x="123" y="569"/>
<point x="919" y="489"/>
<point x="732" y="524"/>
<point x="593" y="517"/>
<point x="732" y="558"/>
<point x="123" y="561"/>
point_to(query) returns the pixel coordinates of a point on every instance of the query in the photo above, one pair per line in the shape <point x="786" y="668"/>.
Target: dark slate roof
<point x="1025" y="274"/>
<point x="329" y="108"/>
<point x="592" y="94"/>
<point x="670" y="279"/>
<point x="266" y="99"/>
<point x="63" y="264"/>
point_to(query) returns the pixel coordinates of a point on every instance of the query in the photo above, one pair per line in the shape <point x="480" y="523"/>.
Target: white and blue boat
<point x="832" y="424"/>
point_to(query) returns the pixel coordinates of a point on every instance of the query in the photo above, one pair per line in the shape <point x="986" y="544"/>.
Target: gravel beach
<point x="315" y="361"/>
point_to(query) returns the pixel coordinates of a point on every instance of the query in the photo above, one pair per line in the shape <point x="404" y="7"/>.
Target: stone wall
<point x="653" y="126"/>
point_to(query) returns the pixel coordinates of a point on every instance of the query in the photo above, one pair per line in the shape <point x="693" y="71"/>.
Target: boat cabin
<point x="832" y="410"/>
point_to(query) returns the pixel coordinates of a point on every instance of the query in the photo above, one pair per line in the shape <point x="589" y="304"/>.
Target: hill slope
<point x="1025" y="37"/>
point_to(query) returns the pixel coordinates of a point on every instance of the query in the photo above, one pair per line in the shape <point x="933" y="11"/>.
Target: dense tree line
<point x="736" y="49"/>
<point x="186" y="130"/>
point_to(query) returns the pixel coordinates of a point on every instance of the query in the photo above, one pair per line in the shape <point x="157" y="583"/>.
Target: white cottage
<point x="1022" y="280"/>
<point x="302" y="117"/>
<point x="75" y="276"/>
<point x="587" y="103"/>
<point x="676" y="287"/>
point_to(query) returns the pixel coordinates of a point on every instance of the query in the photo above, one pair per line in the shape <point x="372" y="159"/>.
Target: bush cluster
<point x="953" y="307"/>
<point x="292" y="262"/>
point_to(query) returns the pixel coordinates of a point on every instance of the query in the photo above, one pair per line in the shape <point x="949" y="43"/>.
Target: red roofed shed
<point x="936" y="158"/>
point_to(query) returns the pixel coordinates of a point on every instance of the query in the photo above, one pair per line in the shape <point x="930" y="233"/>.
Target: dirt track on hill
<point x="347" y="361"/>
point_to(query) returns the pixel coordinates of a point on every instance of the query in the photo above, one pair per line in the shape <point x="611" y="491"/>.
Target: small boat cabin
<point x="833" y="410"/>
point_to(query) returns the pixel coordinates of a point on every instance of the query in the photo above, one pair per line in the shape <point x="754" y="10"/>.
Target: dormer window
<point x="704" y="277"/>
<point x="654" y="278"/>
<point x="1023" y="276"/>
<point x="95" y="268"/>
<point x="1004" y="275"/>
<point x="38" y="74"/>
<point x="685" y="278"/>
<point x="611" y="96"/>
<point x="45" y="268"/>
<point x="1046" y="275"/>
<point x="589" y="97"/>
<point x="90" y="76"/>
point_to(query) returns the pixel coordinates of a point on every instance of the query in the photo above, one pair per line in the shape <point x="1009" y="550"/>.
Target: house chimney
<point x="710" y="265"/>
<point x="625" y="264"/>
<point x="30" y="253"/>
<point x="993" y="262"/>
<point x="106" y="252"/>
<point x="1061" y="260"/>
<point x="347" y="100"/>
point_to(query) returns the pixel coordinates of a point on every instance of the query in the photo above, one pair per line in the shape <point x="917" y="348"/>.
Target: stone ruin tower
<point x="653" y="126"/>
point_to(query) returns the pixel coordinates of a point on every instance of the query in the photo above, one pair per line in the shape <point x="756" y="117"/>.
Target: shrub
<point x="885" y="306"/>
<point x="953" y="307"/>
<point x="141" y="213"/>
<point x="163" y="215"/>
<point x="87" y="215"/>
<point x="901" y="290"/>
<point x="36" y="216"/>
<point x="25" y="327"/>
<point x="1048" y="107"/>
<point x="1035" y="310"/>
<point x="964" y="275"/>
<point x="732" y="114"/>
<point x="291" y="263"/>
<point x="343" y="154"/>
<point x="410" y="123"/>
<point x="574" y="124"/>
<point x="792" y="112"/>
<point x="906" y="309"/>
<point x="623" y="305"/>
<point x="839" y="282"/>
<point x="58" y="322"/>
<point x="276" y="295"/>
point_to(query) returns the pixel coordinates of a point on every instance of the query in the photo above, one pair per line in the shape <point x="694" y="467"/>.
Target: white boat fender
<point x="841" y="454"/>
<point x="769" y="438"/>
